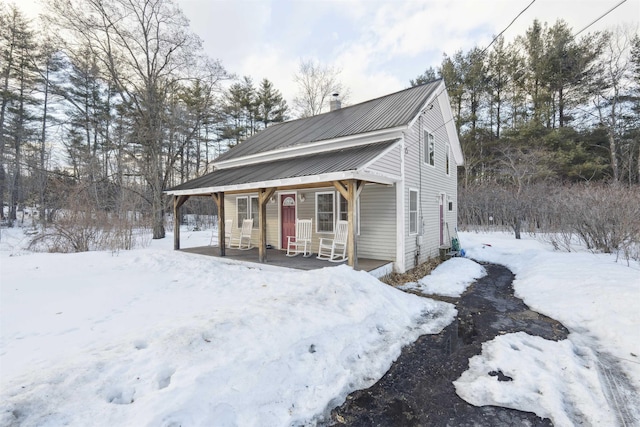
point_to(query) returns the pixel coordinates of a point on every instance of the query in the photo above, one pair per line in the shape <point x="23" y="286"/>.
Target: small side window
<point x="413" y="211"/>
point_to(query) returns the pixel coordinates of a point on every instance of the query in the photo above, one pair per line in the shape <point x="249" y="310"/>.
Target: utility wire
<point x="600" y="17"/>
<point x="510" y="24"/>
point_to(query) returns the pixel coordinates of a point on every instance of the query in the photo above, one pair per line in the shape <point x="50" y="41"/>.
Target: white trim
<point x="249" y="198"/>
<point x="315" y="209"/>
<point x="313" y="179"/>
<point x="450" y="127"/>
<point x="417" y="211"/>
<point x="400" y="239"/>
<point x="427" y="147"/>
<point x="312" y="148"/>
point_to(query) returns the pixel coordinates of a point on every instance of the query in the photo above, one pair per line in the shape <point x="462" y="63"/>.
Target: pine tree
<point x="271" y="106"/>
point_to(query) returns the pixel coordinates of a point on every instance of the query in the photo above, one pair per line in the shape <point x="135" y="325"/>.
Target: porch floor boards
<point x="279" y="258"/>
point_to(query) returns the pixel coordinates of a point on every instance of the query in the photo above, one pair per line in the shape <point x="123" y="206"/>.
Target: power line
<point x="600" y="17"/>
<point x="510" y="24"/>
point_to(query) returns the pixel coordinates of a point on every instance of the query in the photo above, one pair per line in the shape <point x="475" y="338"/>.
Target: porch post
<point x="263" y="198"/>
<point x="176" y="224"/>
<point x="219" y="199"/>
<point x="351" y="192"/>
<point x="178" y="201"/>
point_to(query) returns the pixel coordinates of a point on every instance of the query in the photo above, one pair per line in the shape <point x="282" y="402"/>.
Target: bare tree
<point x="612" y="90"/>
<point x="146" y="48"/>
<point x="316" y="83"/>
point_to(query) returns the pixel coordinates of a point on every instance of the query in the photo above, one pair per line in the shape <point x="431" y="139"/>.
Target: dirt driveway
<point x="418" y="389"/>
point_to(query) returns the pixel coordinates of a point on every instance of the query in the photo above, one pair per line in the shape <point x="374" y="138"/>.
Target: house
<point x="387" y="165"/>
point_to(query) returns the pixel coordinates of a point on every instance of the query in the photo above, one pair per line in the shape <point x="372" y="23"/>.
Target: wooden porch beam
<point x="219" y="199"/>
<point x="263" y="198"/>
<point x="178" y="201"/>
<point x="342" y="188"/>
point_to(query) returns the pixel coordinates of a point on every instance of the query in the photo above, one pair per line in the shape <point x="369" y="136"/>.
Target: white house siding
<point x="430" y="181"/>
<point x="389" y="163"/>
<point x="377" y="239"/>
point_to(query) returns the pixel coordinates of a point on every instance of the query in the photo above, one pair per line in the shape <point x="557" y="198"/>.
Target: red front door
<point x="288" y="217"/>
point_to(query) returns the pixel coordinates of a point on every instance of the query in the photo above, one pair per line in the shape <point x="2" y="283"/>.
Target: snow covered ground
<point x="160" y="338"/>
<point x="155" y="337"/>
<point x="593" y="378"/>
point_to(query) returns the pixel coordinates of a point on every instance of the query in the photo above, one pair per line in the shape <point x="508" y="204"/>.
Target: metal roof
<point x="386" y="112"/>
<point x="347" y="159"/>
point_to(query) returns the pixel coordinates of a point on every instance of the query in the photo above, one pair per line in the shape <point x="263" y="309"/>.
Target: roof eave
<point x="369" y="176"/>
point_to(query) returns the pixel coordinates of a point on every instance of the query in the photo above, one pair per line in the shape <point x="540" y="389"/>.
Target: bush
<point x="83" y="227"/>
<point x="604" y="218"/>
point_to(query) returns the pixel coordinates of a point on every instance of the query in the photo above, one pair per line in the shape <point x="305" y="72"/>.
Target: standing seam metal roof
<point x="347" y="159"/>
<point x="386" y="112"/>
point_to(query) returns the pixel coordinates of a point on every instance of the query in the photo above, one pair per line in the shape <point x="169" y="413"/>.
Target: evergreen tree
<point x="271" y="106"/>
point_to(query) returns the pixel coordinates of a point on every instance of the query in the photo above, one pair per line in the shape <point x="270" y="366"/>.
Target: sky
<point x="380" y="45"/>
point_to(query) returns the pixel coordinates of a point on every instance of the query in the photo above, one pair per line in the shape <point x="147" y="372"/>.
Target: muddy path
<point x="418" y="389"/>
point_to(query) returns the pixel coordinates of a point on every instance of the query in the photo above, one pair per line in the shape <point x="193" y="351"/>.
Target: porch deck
<point x="278" y="258"/>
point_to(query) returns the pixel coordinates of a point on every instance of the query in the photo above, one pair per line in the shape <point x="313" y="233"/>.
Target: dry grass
<point x="413" y="275"/>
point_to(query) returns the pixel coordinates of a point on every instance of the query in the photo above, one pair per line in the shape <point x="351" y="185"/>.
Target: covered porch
<point x="278" y="258"/>
<point x="343" y="170"/>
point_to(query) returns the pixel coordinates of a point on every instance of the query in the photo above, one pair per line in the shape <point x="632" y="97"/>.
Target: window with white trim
<point x="413" y="211"/>
<point x="325" y="212"/>
<point x="247" y="207"/>
<point x="429" y="148"/>
<point x="450" y="203"/>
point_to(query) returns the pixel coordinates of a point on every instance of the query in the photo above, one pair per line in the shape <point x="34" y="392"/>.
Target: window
<point x="325" y="211"/>
<point x="429" y="148"/>
<point x="242" y="210"/>
<point x="254" y="211"/>
<point x="413" y="211"/>
<point x="247" y="207"/>
<point x="343" y="213"/>
<point x="450" y="204"/>
<point x="446" y="160"/>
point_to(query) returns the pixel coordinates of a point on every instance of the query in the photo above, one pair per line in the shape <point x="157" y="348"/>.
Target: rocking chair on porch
<point x="244" y="240"/>
<point x="301" y="242"/>
<point x="335" y="250"/>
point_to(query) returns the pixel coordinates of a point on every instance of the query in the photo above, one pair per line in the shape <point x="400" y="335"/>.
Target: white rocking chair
<point x="228" y="223"/>
<point x="244" y="240"/>
<point x="228" y="228"/>
<point x="301" y="242"/>
<point x="335" y="250"/>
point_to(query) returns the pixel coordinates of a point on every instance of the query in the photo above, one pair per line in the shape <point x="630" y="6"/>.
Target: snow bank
<point x="451" y="278"/>
<point x="155" y="337"/>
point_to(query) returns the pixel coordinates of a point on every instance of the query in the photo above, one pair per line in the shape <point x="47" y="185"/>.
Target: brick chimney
<point x="334" y="103"/>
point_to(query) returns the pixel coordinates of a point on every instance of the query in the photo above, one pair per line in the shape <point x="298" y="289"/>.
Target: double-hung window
<point x="247" y="207"/>
<point x="325" y="212"/>
<point x="429" y="148"/>
<point x="413" y="212"/>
